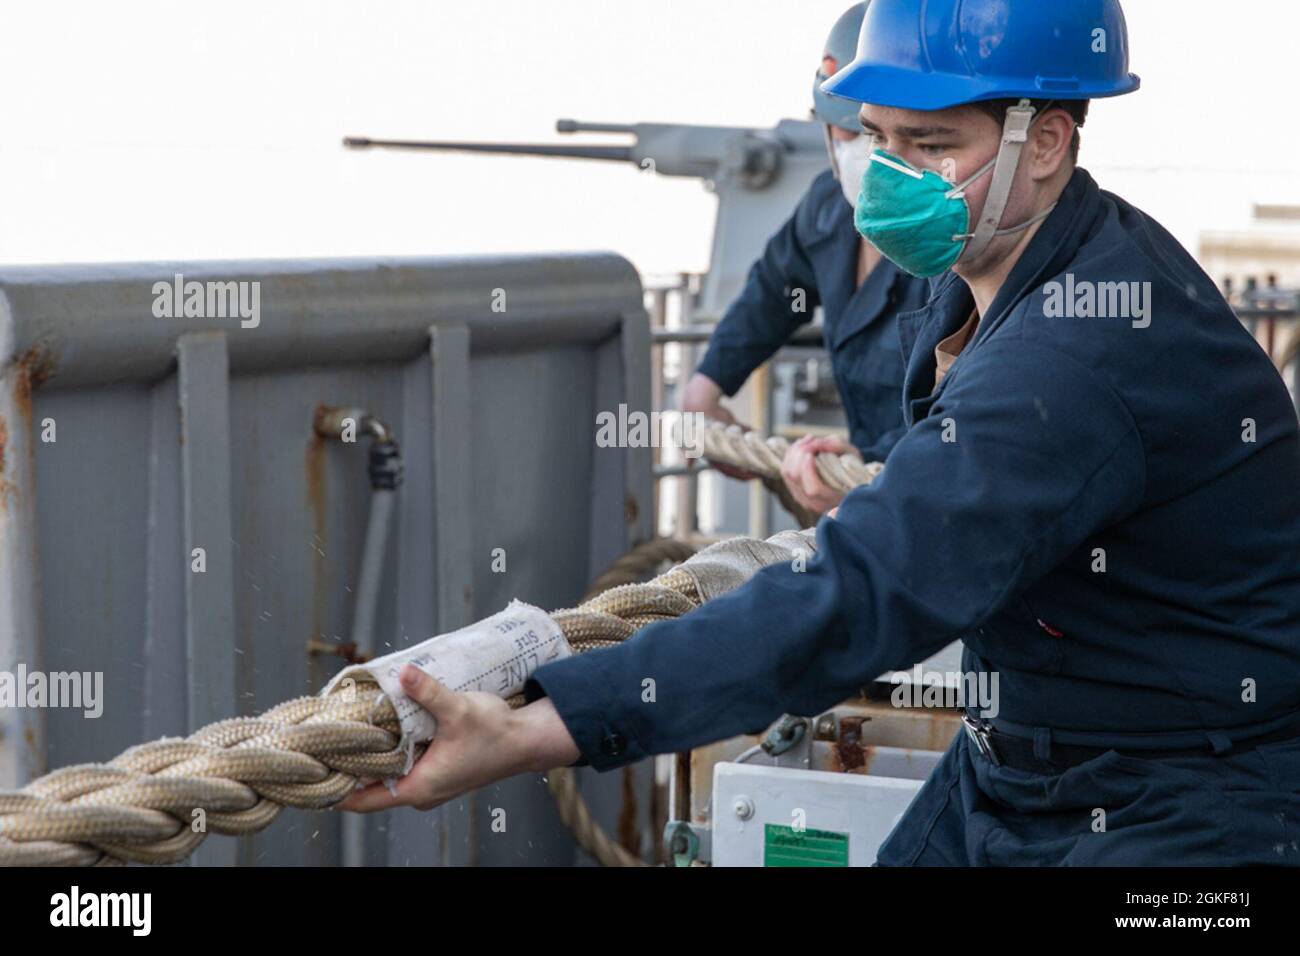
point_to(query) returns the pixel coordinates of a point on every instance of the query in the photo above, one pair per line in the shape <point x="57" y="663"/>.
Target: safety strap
<point x="830" y="149"/>
<point x="1015" y="133"/>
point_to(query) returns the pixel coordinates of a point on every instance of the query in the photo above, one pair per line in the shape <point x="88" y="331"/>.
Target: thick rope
<point x="640" y="561"/>
<point x="732" y="445"/>
<point x="803" y="517"/>
<point x="563" y="781"/>
<point x="237" y="774"/>
<point x="156" y="802"/>
<point x="591" y="836"/>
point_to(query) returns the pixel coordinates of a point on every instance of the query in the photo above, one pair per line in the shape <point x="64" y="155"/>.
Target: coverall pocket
<point x="1117" y="810"/>
<point x="1015" y="638"/>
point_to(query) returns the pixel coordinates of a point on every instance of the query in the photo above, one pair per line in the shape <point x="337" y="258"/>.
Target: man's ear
<point x="1049" y="143"/>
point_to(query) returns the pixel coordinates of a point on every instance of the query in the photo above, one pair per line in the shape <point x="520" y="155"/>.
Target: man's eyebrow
<point x="912" y="132"/>
<point x="921" y="132"/>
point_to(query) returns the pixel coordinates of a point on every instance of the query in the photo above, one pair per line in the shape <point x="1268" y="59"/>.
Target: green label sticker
<point x="785" y="846"/>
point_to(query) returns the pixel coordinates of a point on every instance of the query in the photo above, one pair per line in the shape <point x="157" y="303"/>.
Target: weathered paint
<point x="316" y="499"/>
<point x="22" y="730"/>
<point x="357" y="332"/>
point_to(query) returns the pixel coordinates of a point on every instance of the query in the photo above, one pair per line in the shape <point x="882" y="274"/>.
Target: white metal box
<point x="779" y="816"/>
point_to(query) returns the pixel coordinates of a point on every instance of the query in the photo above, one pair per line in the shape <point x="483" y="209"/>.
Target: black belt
<point x="1007" y="750"/>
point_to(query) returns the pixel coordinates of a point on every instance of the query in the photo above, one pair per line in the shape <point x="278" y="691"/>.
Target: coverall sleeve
<point x="887" y="441"/>
<point x="1025" y="454"/>
<point x="768" y="310"/>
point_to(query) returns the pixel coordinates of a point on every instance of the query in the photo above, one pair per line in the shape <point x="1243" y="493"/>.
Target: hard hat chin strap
<point x="829" y="140"/>
<point x="1015" y="133"/>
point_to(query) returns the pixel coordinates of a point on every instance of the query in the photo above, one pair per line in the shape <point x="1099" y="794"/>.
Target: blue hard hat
<point x="940" y="53"/>
<point x="841" y="48"/>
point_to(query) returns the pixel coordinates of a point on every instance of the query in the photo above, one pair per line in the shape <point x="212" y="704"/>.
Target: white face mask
<point x="852" y="157"/>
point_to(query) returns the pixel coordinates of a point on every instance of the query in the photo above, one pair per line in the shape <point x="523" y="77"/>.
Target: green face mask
<point x="921" y="222"/>
<point x="917" y="219"/>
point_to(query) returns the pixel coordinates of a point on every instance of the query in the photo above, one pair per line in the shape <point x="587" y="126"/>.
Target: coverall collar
<point x="1053" y="247"/>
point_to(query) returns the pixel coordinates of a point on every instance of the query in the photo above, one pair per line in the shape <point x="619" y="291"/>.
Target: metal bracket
<point x="688" y="843"/>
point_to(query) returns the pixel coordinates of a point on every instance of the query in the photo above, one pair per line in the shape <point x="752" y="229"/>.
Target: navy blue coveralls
<point x="817" y="251"/>
<point x="1171" y="450"/>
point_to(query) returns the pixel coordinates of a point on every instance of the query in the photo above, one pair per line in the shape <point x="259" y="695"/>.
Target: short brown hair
<point x="1078" y="110"/>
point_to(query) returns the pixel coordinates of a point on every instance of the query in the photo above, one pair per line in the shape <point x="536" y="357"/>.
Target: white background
<point x="196" y="129"/>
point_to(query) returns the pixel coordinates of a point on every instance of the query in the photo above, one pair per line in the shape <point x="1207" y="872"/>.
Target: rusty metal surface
<point x="22" y="731"/>
<point x="859" y="728"/>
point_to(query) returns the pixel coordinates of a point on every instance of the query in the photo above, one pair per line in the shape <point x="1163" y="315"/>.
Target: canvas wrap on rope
<point x="497" y="655"/>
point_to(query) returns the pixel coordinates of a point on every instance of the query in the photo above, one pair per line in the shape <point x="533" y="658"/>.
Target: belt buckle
<point x="979" y="733"/>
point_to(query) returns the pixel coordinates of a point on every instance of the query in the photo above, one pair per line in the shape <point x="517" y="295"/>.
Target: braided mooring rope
<point x="732" y="445"/>
<point x="563" y="781"/>
<point x="236" y="775"/>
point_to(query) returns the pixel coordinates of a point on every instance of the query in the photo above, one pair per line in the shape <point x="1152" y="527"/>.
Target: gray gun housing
<point x="758" y="175"/>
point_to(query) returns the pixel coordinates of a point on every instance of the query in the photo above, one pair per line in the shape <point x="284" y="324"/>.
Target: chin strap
<point x="830" y="149"/>
<point x="1015" y="133"/>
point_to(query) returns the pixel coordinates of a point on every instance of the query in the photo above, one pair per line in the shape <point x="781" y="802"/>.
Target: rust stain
<point x="628" y="835"/>
<point x="350" y="654"/>
<point x="868" y="755"/>
<point x="30" y="370"/>
<point x="316" y="473"/>
<point x="658" y="814"/>
<point x="347" y="650"/>
<point x="7" y="489"/>
<point x="850" y="754"/>
<point x="34" y="752"/>
<point x="315" y="465"/>
<point x="324" y="418"/>
<point x="33" y="368"/>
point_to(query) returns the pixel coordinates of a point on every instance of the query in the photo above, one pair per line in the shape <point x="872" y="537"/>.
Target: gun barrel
<point x="606" y="153"/>
<point x="577" y="126"/>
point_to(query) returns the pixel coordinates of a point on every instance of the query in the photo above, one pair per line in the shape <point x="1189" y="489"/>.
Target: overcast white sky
<point x="195" y="129"/>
